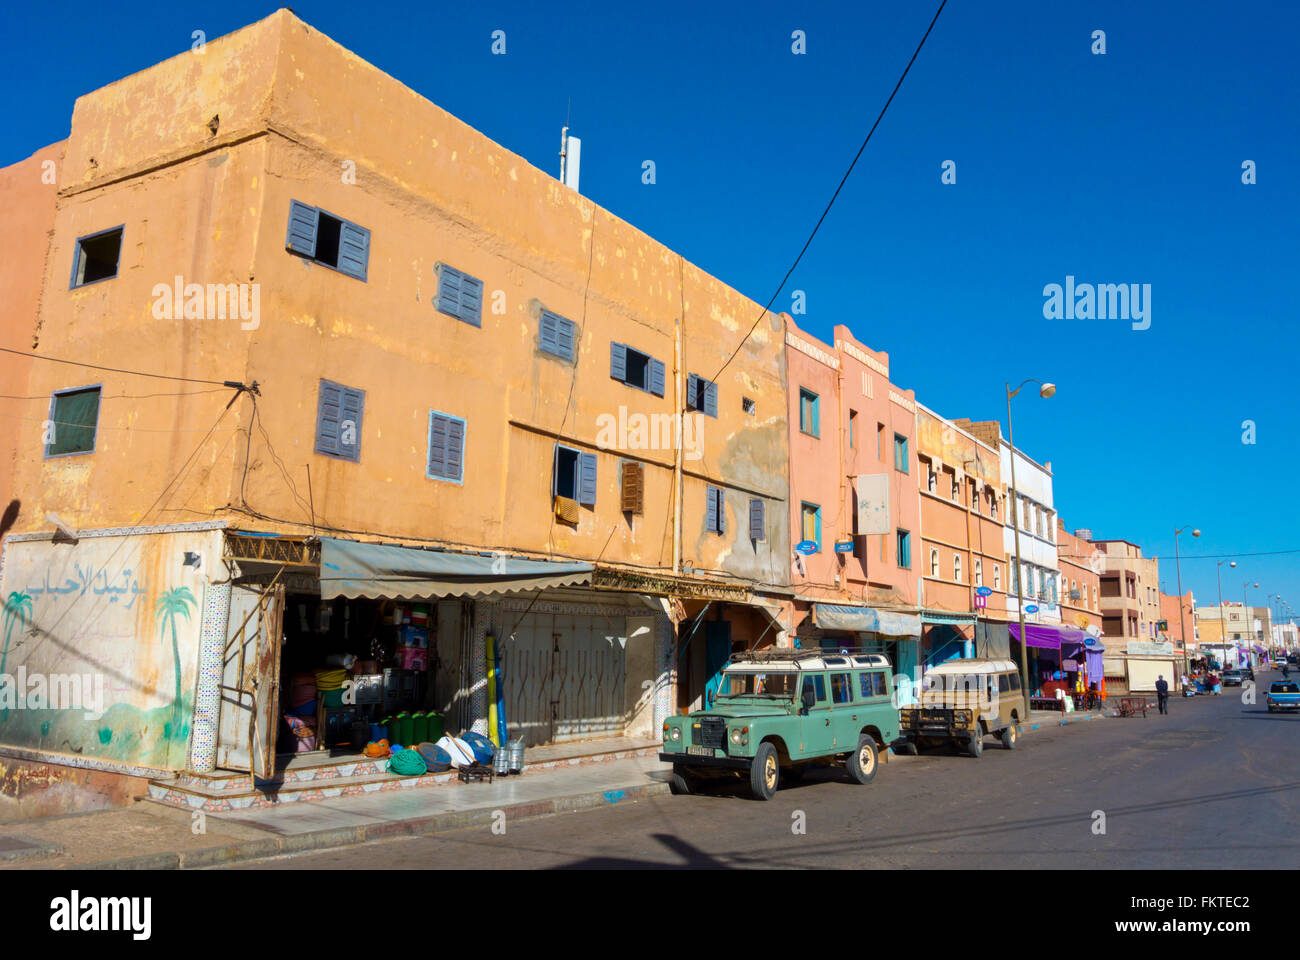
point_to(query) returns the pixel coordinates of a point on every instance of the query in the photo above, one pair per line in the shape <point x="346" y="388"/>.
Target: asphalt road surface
<point x="1214" y="784"/>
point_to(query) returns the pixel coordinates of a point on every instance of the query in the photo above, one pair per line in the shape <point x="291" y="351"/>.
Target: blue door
<point x="717" y="649"/>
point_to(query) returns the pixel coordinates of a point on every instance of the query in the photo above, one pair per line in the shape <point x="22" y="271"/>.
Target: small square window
<point x="748" y="405"/>
<point x="96" y="257"/>
<point x="809" y="413"/>
<point x="74" y="417"/>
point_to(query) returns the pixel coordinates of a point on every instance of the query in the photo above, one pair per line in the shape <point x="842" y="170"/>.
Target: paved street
<point x="1216" y="783"/>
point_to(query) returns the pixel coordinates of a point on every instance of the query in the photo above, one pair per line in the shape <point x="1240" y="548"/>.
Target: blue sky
<point x="1121" y="168"/>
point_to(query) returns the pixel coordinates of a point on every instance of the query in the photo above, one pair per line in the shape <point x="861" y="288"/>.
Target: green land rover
<point x="778" y="712"/>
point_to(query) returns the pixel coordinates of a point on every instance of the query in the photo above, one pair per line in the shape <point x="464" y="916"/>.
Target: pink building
<point x="854" y="500"/>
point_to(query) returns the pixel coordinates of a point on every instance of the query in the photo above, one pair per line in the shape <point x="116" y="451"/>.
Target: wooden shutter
<point x="711" y="399"/>
<point x="354" y="250"/>
<point x="587" y="479"/>
<point x="564" y="338"/>
<point x="618" y="362"/>
<point x="329" y="409"/>
<point x="656" y="377"/>
<point x="556" y="335"/>
<point x="448" y="290"/>
<point x="455" y="449"/>
<point x="721" y="509"/>
<point x="446" y="447"/>
<point x="692" y="392"/>
<point x="633" y="488"/>
<point x="301" y="235"/>
<point x="471" y="300"/>
<point x="757" y="524"/>
<point x="710" y="510"/>
<point x="352" y="407"/>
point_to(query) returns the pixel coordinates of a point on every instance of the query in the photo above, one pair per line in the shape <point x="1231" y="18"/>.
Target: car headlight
<point x="735" y="735"/>
<point x="677" y="733"/>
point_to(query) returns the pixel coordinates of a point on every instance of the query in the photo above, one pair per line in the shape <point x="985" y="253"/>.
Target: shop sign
<point x="806" y="547"/>
<point x="844" y="546"/>
<point x="983" y="591"/>
<point x="1032" y="608"/>
<point x="981" y="601"/>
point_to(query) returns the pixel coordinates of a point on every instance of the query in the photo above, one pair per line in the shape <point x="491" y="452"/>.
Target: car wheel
<point x="764" y="773"/>
<point x="975" y="745"/>
<point x="682" y="783"/>
<point x="861" y="763"/>
<point x="1011" y="736"/>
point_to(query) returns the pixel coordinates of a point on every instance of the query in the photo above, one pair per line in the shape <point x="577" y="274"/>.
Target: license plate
<point x="700" y="751"/>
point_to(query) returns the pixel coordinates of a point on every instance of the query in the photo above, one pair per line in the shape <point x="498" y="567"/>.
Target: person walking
<point x="1162" y="693"/>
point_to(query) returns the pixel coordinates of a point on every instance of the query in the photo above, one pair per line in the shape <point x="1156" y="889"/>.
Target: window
<point x="338" y="421"/>
<point x="956" y="488"/>
<point x="817" y="684"/>
<point x="956" y="567"/>
<point x="96" y="257"/>
<point x="74" y="417"/>
<point x="993" y="504"/>
<point x="904" y="549"/>
<point x="841" y="688"/>
<point x="934" y="562"/>
<point x="1015" y="579"/>
<point x="1004" y="683"/>
<point x="715" y="520"/>
<point x="974" y="497"/>
<point x="1024" y="514"/>
<point x="809" y="413"/>
<point x="853" y="426"/>
<point x="556" y="335"/>
<point x="575" y="475"/>
<point x="446" y="447"/>
<point x="701" y="395"/>
<point x="460" y="295"/>
<point x="636" y="369"/>
<point x="632" y="487"/>
<point x="748" y="405"/>
<point x="811" y="523"/>
<point x="328" y="240"/>
<point x="997" y="577"/>
<point x="880" y="442"/>
<point x="931" y="478"/>
<point x="757" y="520"/>
<point x="979" y="572"/>
<point x="900" y="453"/>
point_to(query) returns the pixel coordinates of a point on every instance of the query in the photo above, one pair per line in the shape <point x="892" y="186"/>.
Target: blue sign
<point x="1089" y="641"/>
<point x="845" y="546"/>
<point x="983" y="591"/>
<point x="806" y="546"/>
<point x="1032" y="608"/>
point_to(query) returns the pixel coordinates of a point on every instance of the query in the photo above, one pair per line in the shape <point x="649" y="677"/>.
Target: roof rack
<point x="786" y="655"/>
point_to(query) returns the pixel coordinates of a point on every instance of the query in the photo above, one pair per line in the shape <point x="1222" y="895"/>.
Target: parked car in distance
<point x="961" y="702"/>
<point x="1283" y="695"/>
<point x="778" y="712"/>
<point x="1232" y="678"/>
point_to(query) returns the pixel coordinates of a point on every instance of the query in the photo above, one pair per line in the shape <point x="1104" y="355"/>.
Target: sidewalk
<point x="152" y="836"/>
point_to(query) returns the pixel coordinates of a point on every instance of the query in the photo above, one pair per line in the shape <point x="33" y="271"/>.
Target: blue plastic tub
<point x="438" y="759"/>
<point x="481" y="745"/>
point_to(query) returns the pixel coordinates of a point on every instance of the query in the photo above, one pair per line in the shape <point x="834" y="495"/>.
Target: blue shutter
<point x="757" y="526"/>
<point x="351" y="408"/>
<point x="455" y="449"/>
<point x="548" y="333"/>
<point x="587" y="482"/>
<point x="301" y="235"/>
<point x="449" y="290"/>
<point x="354" y="250"/>
<point x="722" y="509"/>
<point x="618" y="362"/>
<point x="328" y="414"/>
<point x="471" y="300"/>
<point x="437" y="445"/>
<point x="711" y="399"/>
<point x="564" y="337"/>
<point x="710" y="510"/>
<point x="555" y="472"/>
<point x="692" y="391"/>
<point x="656" y="377"/>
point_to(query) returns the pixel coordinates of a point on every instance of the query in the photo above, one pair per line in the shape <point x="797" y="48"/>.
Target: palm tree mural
<point x="18" y="612"/>
<point x="171" y="603"/>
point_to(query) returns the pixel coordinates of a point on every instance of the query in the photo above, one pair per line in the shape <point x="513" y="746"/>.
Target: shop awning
<point x="830" y="616"/>
<point x="352" y="569"/>
<point x="1048" y="635"/>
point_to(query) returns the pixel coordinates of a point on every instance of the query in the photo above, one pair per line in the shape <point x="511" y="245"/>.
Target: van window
<point x="841" y="688"/>
<point x="817" y="684"/>
<point x="1004" y="683"/>
<point x="872" y="685"/>
<point x="1015" y="681"/>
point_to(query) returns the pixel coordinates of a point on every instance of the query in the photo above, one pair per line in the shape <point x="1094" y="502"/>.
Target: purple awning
<point x="1048" y="635"/>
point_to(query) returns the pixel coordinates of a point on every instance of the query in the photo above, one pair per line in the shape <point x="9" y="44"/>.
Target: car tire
<point x="1011" y="736"/>
<point x="863" y="762"/>
<point x="764" y="773"/>
<point x="682" y="783"/>
<point x="975" y="744"/>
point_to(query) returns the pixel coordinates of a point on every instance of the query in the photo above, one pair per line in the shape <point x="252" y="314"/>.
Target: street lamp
<point x="1223" y="630"/>
<point x="1245" y="612"/>
<point x="1045" y="390"/>
<point x="1182" y="619"/>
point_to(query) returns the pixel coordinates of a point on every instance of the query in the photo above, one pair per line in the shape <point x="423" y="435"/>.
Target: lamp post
<point x="1182" y="620"/>
<point x="1045" y="390"/>
<point x="1223" y="630"/>
<point x="1245" y="612"/>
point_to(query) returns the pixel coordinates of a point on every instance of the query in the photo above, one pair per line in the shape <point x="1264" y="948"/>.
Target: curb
<point x="349" y="836"/>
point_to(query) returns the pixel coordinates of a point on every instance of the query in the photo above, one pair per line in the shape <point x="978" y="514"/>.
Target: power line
<point x="834" y="196"/>
<point x="135" y="373"/>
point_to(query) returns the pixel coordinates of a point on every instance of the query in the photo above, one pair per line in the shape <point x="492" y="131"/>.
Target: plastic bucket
<point x="403" y="727"/>
<point x="419" y="728"/>
<point x="481" y="745"/>
<point x="435" y="725"/>
<point x="392" y="729"/>
<point x="378" y="732"/>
